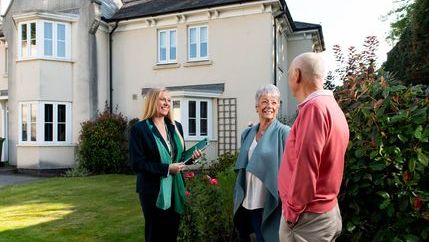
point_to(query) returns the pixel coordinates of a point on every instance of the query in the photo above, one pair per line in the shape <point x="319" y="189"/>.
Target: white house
<point x="61" y="60"/>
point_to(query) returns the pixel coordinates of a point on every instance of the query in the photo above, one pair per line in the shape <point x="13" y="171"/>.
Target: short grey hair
<point x="267" y="90"/>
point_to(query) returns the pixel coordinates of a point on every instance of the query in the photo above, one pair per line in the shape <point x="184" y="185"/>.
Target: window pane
<point x="173" y="45"/>
<point x="62" y="113"/>
<point x="203" y="127"/>
<point x="61" y="32"/>
<point x="62" y="132"/>
<point x="24" y="32"/>
<point x="162" y="46"/>
<point x="192" y="110"/>
<point x="61" y="40"/>
<point x="33" y="39"/>
<point x="203" y="50"/>
<point x="49" y="113"/>
<point x="61" y="49"/>
<point x="48" y="39"/>
<point x="48" y="131"/>
<point x="192" y="127"/>
<point x="33" y="118"/>
<point x="33" y="112"/>
<point x="24" y="115"/>
<point x="193" y="51"/>
<point x="203" y="109"/>
<point x="33" y="132"/>
<point x="203" y="35"/>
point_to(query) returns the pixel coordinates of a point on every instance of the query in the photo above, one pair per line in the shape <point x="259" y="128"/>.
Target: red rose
<point x="417" y="203"/>
<point x="189" y="174"/>
<point x="214" y="182"/>
<point x="187" y="193"/>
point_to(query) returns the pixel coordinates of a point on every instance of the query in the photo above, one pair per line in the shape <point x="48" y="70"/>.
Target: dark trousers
<point x="160" y="225"/>
<point x="247" y="222"/>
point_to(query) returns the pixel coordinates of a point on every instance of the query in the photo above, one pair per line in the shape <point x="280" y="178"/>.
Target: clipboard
<point x="187" y="155"/>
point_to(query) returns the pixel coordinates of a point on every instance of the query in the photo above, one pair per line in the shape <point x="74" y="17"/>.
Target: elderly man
<point x="312" y="167"/>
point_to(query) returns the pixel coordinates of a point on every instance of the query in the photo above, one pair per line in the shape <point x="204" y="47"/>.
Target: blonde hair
<point x="150" y="102"/>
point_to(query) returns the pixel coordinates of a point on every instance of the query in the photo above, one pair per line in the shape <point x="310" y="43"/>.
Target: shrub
<point x="103" y="144"/>
<point x="385" y="192"/>
<point x="208" y="214"/>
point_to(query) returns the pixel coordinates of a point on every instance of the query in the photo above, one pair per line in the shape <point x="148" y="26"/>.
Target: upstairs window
<point x="167" y="43"/>
<point x="44" y="39"/>
<point x="197" y="43"/>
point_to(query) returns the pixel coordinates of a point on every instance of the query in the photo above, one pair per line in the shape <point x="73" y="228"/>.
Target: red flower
<point x="407" y="176"/>
<point x="214" y="182"/>
<point x="187" y="193"/>
<point x="417" y="203"/>
<point x="189" y="174"/>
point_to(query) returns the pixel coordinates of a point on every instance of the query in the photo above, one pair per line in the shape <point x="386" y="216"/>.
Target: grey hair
<point x="268" y="90"/>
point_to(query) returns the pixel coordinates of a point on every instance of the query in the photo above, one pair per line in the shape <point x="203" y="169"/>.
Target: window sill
<point x="161" y="66"/>
<point x="45" y="145"/>
<point x="198" y="63"/>
<point x="45" y="59"/>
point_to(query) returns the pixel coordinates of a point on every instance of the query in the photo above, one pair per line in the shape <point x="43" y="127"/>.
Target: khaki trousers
<point x="313" y="227"/>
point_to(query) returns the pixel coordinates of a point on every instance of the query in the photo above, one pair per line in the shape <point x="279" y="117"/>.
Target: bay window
<point x="44" y="39"/>
<point x="45" y="122"/>
<point x="195" y="116"/>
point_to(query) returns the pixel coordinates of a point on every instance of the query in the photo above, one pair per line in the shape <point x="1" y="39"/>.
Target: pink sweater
<point x="312" y="167"/>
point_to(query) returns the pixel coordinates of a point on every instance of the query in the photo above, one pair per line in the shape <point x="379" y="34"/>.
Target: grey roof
<point x="217" y="88"/>
<point x="145" y="8"/>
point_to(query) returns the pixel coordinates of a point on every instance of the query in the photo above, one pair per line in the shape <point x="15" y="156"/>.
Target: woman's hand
<point x="175" y="167"/>
<point x="197" y="154"/>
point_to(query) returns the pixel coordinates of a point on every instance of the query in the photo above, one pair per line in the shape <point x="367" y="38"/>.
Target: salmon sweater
<point x="312" y="167"/>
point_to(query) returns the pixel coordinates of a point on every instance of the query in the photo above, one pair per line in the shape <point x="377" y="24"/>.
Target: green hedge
<point x="385" y="192"/>
<point x="103" y="145"/>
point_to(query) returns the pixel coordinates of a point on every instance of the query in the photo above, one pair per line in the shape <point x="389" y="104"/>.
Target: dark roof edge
<point x="172" y="11"/>
<point x="218" y="88"/>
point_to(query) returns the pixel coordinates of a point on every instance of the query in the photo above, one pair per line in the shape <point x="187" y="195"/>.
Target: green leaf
<point x="384" y="194"/>
<point x="402" y="138"/>
<point x="422" y="158"/>
<point x="377" y="166"/>
<point x="418" y="132"/>
<point x="350" y="227"/>
<point x="411" y="238"/>
<point x="384" y="204"/>
<point x="411" y="165"/>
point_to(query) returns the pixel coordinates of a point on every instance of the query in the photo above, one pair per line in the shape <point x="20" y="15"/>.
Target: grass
<point x="85" y="209"/>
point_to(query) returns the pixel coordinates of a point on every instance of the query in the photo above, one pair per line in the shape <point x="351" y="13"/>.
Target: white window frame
<point x="184" y="118"/>
<point x="168" y="60"/>
<point x="198" y="40"/>
<point x="40" y="124"/>
<point x="40" y="40"/>
<point x="6" y="57"/>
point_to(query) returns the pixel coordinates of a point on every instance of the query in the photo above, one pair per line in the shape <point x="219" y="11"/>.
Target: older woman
<point x="156" y="146"/>
<point x="257" y="205"/>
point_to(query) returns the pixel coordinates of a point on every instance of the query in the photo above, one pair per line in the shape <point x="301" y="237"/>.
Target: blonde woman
<point x="156" y="146"/>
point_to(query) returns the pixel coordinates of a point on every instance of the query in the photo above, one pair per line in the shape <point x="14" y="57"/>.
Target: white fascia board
<point x="64" y="17"/>
<point x="194" y="94"/>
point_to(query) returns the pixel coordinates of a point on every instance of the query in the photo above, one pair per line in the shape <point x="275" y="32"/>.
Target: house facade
<point x="64" y="59"/>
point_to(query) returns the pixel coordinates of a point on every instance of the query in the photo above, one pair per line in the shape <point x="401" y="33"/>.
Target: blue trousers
<point x="247" y="222"/>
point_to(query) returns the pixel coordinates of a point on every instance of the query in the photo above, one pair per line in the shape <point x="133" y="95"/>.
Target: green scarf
<point x="172" y="181"/>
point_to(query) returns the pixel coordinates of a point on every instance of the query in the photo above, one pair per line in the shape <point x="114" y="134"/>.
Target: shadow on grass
<point x="96" y="208"/>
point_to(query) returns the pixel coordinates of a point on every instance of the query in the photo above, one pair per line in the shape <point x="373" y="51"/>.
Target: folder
<point x="187" y="155"/>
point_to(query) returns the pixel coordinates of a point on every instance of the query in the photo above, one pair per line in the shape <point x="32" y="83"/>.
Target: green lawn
<point x="96" y="208"/>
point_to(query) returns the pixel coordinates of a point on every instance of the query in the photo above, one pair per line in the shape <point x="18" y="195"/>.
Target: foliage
<point x="101" y="208"/>
<point x="356" y="62"/>
<point x="222" y="163"/>
<point x="409" y="59"/>
<point x="208" y="215"/>
<point x="385" y="192"/>
<point x="77" y="171"/>
<point x="402" y="14"/>
<point x="103" y="144"/>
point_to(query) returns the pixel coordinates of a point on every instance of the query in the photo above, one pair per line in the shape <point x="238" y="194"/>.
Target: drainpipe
<point x="111" y="67"/>
<point x="275" y="47"/>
